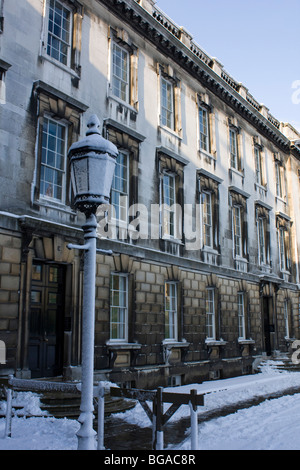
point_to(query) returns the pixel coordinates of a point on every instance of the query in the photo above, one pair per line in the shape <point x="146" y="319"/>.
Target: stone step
<point x="69" y="407"/>
<point x="60" y="405"/>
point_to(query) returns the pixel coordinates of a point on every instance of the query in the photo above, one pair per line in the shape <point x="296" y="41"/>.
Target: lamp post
<point x="92" y="163"/>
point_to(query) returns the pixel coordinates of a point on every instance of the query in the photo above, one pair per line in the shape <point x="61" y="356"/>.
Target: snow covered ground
<point x="274" y="424"/>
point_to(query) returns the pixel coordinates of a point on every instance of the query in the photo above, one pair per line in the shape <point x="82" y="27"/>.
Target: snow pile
<point x="43" y="433"/>
<point x="25" y="404"/>
<point x="272" y="425"/>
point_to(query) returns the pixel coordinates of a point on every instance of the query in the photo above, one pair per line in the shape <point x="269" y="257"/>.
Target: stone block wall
<point x="197" y="361"/>
<point x="10" y="267"/>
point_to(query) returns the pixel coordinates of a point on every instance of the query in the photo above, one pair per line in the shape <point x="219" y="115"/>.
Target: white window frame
<point x="167" y="105"/>
<point x="210" y="314"/>
<point x="171" y="311"/>
<point x="169" y="206"/>
<point x="233" y="149"/>
<point x="237" y="231"/>
<point x="121" y="208"/>
<point x="241" y="315"/>
<point x="123" y="78"/>
<point x="207" y="218"/>
<point x="261" y="240"/>
<point x="48" y="33"/>
<point x="44" y="165"/>
<point x="122" y="321"/>
<point x="280" y="180"/>
<point x="203" y="116"/>
<point x="258" y="166"/>
<point x="282" y="248"/>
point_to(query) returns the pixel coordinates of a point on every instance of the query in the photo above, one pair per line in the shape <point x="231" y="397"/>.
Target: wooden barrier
<point x="157" y="415"/>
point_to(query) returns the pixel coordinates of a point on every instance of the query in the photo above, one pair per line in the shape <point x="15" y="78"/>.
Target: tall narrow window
<point x="258" y="166"/>
<point x="59" y="32"/>
<point x="210" y="314"/>
<point x="207" y="219"/>
<point x="169" y="207"/>
<point x="120" y="72"/>
<point x="261" y="240"/>
<point x="237" y="229"/>
<point x="241" y="315"/>
<point x="204" y="129"/>
<point x="278" y="174"/>
<point x="233" y="142"/>
<point x="119" y="307"/>
<point x="52" y="174"/>
<point x="171" y="311"/>
<point x="167" y="104"/>
<point x="120" y="187"/>
<point x="282" y="249"/>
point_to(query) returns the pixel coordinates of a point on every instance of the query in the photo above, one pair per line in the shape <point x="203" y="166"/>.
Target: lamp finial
<point x="93" y="125"/>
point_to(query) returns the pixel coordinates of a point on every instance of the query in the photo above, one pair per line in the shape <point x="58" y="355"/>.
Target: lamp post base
<point x="86" y="435"/>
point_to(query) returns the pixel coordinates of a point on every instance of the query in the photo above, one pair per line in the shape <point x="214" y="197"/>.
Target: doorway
<point x="47" y="310"/>
<point x="268" y="324"/>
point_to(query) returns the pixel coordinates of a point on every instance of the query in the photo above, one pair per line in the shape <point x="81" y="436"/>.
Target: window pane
<point x="169" y="207"/>
<point x="207" y="219"/>
<point x="203" y="123"/>
<point x="258" y="170"/>
<point x="261" y="241"/>
<point x="120" y="72"/>
<point x="241" y="315"/>
<point x="170" y="311"/>
<point x="58" y="43"/>
<point x="52" y="160"/>
<point x="119" y="193"/>
<point x="237" y="231"/>
<point x="210" y="313"/>
<point x="118" y="308"/>
<point x="233" y="149"/>
<point x="167" y="113"/>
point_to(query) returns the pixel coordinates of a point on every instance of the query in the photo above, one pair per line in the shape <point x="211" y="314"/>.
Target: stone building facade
<point x="204" y="275"/>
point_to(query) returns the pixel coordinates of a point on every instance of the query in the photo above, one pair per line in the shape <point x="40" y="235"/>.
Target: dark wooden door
<point x="46" y="320"/>
<point x="268" y="327"/>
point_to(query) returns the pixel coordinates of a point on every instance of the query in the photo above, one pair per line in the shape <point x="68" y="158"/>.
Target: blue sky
<point x="257" y="41"/>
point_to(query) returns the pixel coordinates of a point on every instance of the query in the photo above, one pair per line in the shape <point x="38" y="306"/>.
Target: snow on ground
<point x="274" y="424"/>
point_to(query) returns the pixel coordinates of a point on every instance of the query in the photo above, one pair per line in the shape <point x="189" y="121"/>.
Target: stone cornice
<point x="169" y="44"/>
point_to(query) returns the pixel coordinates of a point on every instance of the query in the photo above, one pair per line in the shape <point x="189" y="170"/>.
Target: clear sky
<point x="257" y="41"/>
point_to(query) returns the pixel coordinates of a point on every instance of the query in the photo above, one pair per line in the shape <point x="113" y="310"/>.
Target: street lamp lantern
<point x="92" y="162"/>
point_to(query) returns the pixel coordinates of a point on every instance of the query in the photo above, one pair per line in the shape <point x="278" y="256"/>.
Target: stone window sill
<point x="118" y="100"/>
<point x="246" y="341"/>
<point x="215" y="342"/>
<point x="122" y="346"/>
<point x="65" y="68"/>
<point x="175" y="344"/>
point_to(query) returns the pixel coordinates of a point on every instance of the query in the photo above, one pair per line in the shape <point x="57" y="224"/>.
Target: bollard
<point x="158" y="420"/>
<point x="8" y="412"/>
<point x="194" y="420"/>
<point x="100" y="445"/>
